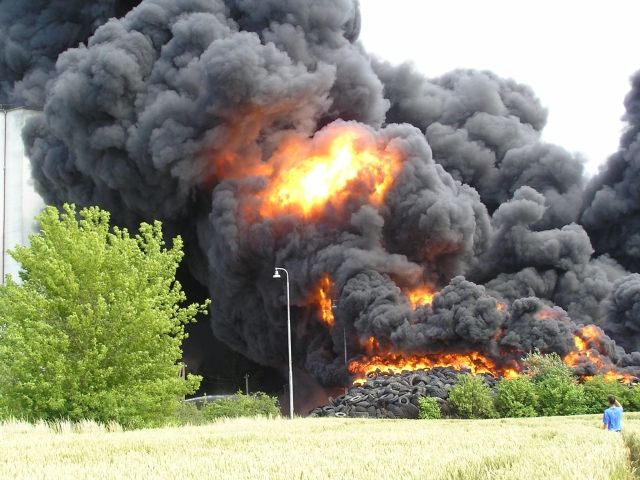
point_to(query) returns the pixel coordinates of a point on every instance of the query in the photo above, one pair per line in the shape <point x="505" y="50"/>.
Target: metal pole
<point x="289" y="344"/>
<point x="344" y="337"/>
<point x="246" y="383"/>
<point x="4" y="192"/>
<point x="289" y="341"/>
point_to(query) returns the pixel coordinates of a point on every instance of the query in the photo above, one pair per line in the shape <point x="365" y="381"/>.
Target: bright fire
<point x="393" y="363"/>
<point x="420" y="296"/>
<point x="589" y="345"/>
<point x="324" y="300"/>
<point x="306" y="178"/>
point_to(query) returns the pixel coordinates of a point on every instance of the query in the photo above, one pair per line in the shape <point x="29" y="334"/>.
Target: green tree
<point x="558" y="390"/>
<point x="560" y="396"/>
<point x="471" y="398"/>
<point x="94" y="331"/>
<point x="516" y="397"/>
<point x="541" y="365"/>
<point x="631" y="401"/>
<point x="429" y="408"/>
<point x="597" y="389"/>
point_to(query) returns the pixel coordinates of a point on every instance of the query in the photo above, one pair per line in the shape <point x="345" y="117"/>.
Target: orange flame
<point x="547" y="313"/>
<point x="592" y="334"/>
<point x="393" y="363"/>
<point x="323" y="299"/>
<point x="420" y="296"/>
<point x="500" y="306"/>
<point x="371" y="345"/>
<point x="588" y="345"/>
<point x="305" y="179"/>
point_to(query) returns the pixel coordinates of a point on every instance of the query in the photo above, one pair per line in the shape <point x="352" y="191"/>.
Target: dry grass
<point x="541" y="448"/>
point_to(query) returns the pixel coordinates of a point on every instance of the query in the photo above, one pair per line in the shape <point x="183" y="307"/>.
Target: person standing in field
<point x="612" y="418"/>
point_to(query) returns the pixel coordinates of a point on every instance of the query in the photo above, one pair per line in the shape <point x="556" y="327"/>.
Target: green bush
<point x="597" y="389"/>
<point x="558" y="390"/>
<point x="188" y="414"/>
<point x="429" y="408"/>
<point x="559" y="395"/>
<point x="516" y="397"/>
<point x="471" y="398"/>
<point x="241" y="405"/>
<point x="540" y="365"/>
<point x="631" y="400"/>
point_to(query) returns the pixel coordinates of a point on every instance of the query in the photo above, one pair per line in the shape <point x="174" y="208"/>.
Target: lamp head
<point x="276" y="273"/>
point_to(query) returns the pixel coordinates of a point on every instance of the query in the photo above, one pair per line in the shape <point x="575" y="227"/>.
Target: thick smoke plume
<point x="34" y="33"/>
<point x="213" y="115"/>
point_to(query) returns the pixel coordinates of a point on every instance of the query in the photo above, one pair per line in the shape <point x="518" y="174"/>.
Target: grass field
<point x="355" y="449"/>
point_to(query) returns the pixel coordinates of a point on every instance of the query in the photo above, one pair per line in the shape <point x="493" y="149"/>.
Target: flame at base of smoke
<point x="473" y="362"/>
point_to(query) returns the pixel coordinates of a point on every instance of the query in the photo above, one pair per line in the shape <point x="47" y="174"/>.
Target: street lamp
<point x="334" y="305"/>
<point x="276" y="274"/>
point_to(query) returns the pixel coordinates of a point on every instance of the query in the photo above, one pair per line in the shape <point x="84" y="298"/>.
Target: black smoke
<point x="170" y="109"/>
<point x="35" y="32"/>
<point x="612" y="209"/>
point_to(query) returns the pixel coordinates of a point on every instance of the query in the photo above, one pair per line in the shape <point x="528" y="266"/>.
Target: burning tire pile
<point x="395" y="396"/>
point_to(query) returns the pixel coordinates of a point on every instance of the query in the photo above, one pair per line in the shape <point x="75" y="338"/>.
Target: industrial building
<point x="19" y="202"/>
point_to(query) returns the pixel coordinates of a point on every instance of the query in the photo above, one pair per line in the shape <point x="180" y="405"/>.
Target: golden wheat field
<point x="539" y="448"/>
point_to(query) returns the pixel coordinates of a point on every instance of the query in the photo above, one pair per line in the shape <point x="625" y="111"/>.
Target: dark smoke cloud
<point x="516" y="245"/>
<point x="554" y="264"/>
<point x="455" y="97"/>
<point x="462" y="314"/>
<point x="612" y="199"/>
<point x="533" y="326"/>
<point x="582" y="290"/>
<point x="32" y="35"/>
<point x="485" y="131"/>
<point x="622" y="319"/>
<point x="175" y="109"/>
<point x="436" y="221"/>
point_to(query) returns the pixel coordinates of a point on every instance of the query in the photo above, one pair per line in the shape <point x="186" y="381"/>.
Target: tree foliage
<point x="597" y="389"/>
<point x="471" y="398"/>
<point x="429" y="408"/>
<point x="631" y="399"/>
<point x="516" y="397"/>
<point x="240" y="405"/>
<point x="558" y="390"/>
<point x="542" y="365"/>
<point x="560" y="396"/>
<point x="94" y="331"/>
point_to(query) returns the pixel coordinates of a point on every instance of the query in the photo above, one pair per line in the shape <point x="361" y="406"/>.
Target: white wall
<point x="19" y="203"/>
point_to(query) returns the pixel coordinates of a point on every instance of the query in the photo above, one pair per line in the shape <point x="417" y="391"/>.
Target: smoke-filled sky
<point x="266" y="133"/>
<point x="576" y="55"/>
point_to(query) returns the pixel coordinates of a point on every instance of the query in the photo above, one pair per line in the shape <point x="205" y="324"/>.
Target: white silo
<point x="19" y="202"/>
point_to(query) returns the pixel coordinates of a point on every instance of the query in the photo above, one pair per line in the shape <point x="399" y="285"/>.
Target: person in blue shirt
<point x="612" y="418"/>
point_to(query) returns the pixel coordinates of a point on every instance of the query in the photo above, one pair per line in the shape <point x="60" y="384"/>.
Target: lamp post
<point x="276" y="274"/>
<point x="334" y="305"/>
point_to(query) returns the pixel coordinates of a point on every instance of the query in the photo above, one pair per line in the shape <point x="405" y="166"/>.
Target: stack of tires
<point x="394" y="395"/>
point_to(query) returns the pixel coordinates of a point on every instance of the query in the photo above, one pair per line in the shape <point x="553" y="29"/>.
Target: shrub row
<point x="239" y="405"/>
<point x="547" y="388"/>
